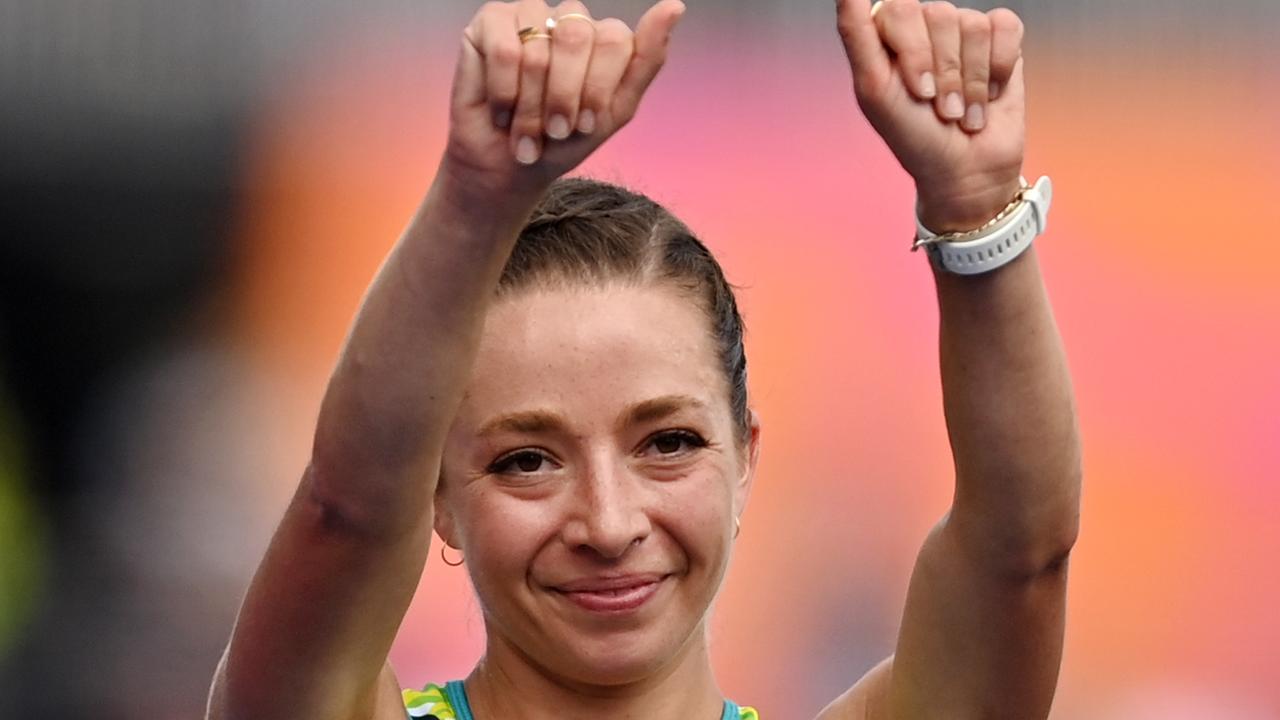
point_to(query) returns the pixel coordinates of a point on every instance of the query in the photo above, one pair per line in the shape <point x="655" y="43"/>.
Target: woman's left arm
<point x="982" y="632"/>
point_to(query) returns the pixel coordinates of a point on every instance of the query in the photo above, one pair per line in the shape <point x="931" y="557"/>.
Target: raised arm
<point x="981" y="635"/>
<point x="313" y="633"/>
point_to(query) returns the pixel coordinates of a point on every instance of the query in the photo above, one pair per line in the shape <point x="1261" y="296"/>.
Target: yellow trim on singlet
<point x="431" y="701"/>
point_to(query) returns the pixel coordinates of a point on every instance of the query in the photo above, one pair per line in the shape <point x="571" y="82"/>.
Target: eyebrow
<point x="659" y="408"/>
<point x="531" y="422"/>
<point x="535" y="422"/>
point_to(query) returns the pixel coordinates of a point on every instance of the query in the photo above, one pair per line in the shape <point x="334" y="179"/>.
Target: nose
<point x="610" y="514"/>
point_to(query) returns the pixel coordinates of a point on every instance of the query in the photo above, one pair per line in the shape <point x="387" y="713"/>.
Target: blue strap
<point x="731" y="711"/>
<point x="456" y="693"/>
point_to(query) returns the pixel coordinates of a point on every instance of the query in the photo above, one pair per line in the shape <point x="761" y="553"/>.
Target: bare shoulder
<point x="868" y="699"/>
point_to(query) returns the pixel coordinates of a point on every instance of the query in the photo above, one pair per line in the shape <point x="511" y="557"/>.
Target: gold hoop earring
<point x="445" y="559"/>
<point x="737" y="527"/>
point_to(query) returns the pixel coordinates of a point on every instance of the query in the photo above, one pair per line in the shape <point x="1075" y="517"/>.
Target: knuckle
<point x="973" y="21"/>
<point x="918" y="56"/>
<point x="535" y="62"/>
<point x="939" y="10"/>
<point x="612" y="33"/>
<point x="948" y="66"/>
<point x="527" y="118"/>
<point x="976" y="89"/>
<point x="895" y="11"/>
<point x="506" y="54"/>
<point x="573" y="37"/>
<point x="1005" y="20"/>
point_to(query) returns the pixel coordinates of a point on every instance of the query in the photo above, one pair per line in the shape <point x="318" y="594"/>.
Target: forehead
<point x="587" y="352"/>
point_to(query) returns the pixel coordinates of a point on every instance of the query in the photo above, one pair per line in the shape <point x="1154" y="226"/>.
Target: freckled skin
<point x="606" y="500"/>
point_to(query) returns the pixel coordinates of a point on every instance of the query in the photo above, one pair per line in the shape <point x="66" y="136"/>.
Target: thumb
<point x="468" y="76"/>
<point x="657" y="24"/>
<point x="652" y="35"/>
<point x="867" y="55"/>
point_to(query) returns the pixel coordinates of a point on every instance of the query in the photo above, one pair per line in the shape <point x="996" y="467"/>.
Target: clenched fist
<point x="538" y="88"/>
<point x="943" y="86"/>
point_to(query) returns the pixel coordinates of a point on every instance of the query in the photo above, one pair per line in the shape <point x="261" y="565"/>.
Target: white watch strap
<point x="998" y="245"/>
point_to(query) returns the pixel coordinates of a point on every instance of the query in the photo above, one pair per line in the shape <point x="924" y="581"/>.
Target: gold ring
<point x="533" y="33"/>
<point x="552" y="22"/>
<point x="875" y="8"/>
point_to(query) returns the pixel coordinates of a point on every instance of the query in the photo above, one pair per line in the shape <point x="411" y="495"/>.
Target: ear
<point x="750" y="461"/>
<point x="444" y="521"/>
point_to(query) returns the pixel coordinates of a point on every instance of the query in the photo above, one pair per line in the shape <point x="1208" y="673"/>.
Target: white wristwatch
<point x="997" y="242"/>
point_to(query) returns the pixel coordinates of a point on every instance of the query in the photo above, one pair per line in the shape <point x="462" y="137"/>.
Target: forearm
<point x="1010" y="416"/>
<point x="408" y="356"/>
<point x="321" y="612"/>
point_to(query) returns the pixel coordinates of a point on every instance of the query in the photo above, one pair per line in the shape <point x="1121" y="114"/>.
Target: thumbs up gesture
<point x="943" y="86"/>
<point x="538" y="88"/>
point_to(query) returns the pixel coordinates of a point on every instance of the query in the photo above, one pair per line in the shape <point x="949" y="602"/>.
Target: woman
<point x="549" y="374"/>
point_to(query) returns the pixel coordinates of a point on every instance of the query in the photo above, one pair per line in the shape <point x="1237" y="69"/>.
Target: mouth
<point x="614" y="595"/>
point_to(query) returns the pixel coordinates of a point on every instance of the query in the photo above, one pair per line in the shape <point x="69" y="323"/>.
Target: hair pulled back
<point x="593" y="233"/>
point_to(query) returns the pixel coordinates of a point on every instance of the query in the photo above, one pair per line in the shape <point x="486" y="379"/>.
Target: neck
<point x="508" y="684"/>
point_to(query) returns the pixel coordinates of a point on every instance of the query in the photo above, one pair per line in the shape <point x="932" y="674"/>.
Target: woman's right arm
<point x="314" y="630"/>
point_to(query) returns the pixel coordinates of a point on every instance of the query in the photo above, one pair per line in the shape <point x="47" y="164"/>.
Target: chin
<point x="621" y="660"/>
<point x="612" y="657"/>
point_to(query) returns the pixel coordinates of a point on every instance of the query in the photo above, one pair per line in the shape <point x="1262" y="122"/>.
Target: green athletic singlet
<point x="450" y="703"/>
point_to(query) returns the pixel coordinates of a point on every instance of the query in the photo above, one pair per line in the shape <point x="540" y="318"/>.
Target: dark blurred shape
<point x="118" y="141"/>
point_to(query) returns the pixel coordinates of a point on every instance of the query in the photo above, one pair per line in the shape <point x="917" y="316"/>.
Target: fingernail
<point x="502" y="119"/>
<point x="928" y="86"/>
<point x="527" y="151"/>
<point x="993" y="91"/>
<point x="587" y="122"/>
<point x="953" y="106"/>
<point x="973" y="120"/>
<point x="558" y="127"/>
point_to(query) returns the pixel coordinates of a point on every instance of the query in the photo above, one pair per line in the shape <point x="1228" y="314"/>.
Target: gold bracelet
<point x="963" y="235"/>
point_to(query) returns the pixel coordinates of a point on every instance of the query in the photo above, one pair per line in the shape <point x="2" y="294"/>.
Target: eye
<point x="674" y="442"/>
<point x="521" y="462"/>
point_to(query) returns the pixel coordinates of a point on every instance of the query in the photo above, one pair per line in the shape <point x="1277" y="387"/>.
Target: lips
<point x="616" y="594"/>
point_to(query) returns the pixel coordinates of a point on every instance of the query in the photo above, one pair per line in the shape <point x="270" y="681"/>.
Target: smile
<point x="612" y="595"/>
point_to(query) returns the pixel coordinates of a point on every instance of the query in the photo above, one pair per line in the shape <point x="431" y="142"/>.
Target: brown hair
<point x="591" y="232"/>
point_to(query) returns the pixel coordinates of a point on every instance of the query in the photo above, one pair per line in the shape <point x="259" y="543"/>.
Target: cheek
<point x="502" y="535"/>
<point x="695" y="513"/>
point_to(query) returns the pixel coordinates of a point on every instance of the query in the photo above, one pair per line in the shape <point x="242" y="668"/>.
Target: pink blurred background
<point x="1160" y="138"/>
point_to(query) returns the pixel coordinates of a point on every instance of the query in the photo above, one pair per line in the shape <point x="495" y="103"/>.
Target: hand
<point x="943" y="86"/>
<point x="523" y="114"/>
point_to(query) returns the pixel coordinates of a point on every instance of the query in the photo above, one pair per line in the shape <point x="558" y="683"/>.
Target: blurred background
<point x="195" y="194"/>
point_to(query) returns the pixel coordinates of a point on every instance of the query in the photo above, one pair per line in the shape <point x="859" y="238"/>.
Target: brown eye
<point x="528" y="462"/>
<point x="675" y="442"/>
<point x="667" y="444"/>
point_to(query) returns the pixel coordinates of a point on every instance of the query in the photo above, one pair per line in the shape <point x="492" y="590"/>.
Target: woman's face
<point x="592" y="478"/>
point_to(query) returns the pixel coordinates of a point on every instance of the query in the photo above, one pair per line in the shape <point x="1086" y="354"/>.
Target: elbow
<point x="368" y="505"/>
<point x="1044" y="551"/>
<point x="1019" y="546"/>
<point x="1051" y="558"/>
<point x="1020" y="560"/>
